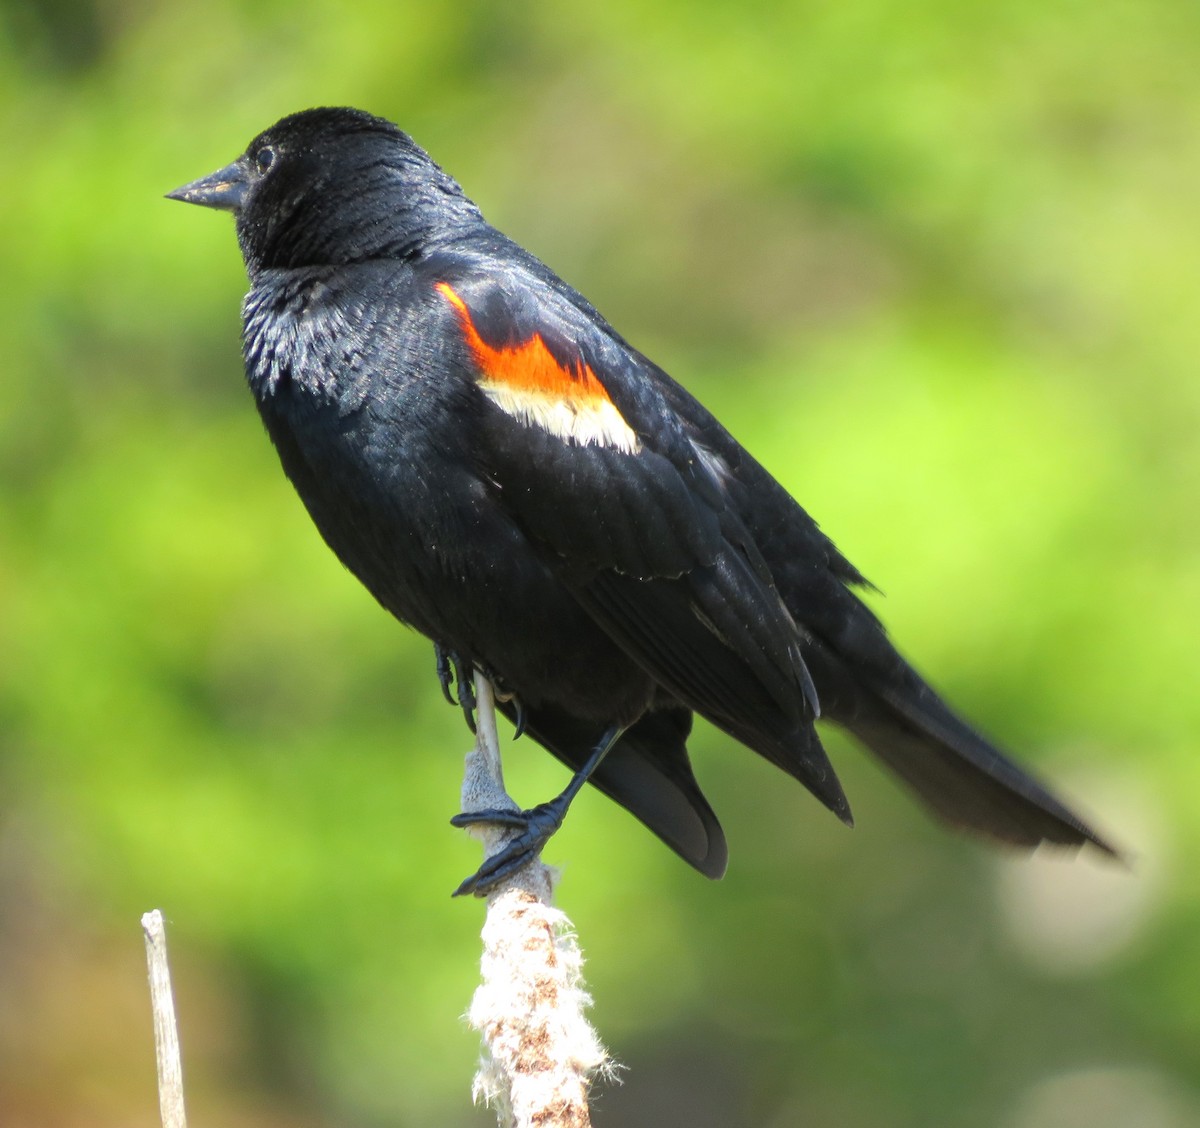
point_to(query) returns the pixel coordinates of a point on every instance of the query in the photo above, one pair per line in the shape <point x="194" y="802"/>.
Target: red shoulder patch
<point x="526" y="381"/>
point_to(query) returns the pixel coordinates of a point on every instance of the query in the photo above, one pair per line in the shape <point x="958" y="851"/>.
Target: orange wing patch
<point x="529" y="384"/>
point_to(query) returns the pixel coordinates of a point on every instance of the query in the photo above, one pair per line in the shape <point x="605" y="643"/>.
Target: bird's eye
<point x="264" y="159"/>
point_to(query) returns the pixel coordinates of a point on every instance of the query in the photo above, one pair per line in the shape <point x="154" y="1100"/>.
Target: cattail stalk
<point x="540" y="1053"/>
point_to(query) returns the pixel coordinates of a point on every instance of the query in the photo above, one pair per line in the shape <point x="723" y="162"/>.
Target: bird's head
<point x="332" y="186"/>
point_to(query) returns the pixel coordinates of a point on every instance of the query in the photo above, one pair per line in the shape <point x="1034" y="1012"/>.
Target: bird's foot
<point x="536" y="826"/>
<point x="452" y="669"/>
<point x="445" y="673"/>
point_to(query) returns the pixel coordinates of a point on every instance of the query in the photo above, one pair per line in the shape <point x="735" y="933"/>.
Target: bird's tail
<point x="958" y="774"/>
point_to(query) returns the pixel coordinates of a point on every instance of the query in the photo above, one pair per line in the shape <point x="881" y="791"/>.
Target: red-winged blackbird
<point x="508" y="475"/>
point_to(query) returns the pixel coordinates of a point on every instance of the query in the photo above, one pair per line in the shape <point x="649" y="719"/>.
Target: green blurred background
<point x="935" y="263"/>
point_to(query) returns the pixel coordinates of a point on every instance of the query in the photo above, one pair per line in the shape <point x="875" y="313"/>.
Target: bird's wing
<point x="864" y="684"/>
<point x="604" y="477"/>
<point x="594" y="463"/>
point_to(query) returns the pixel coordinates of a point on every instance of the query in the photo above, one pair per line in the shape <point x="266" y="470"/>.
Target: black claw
<point x="451" y="670"/>
<point x="444" y="673"/>
<point x="482" y="883"/>
<point x="492" y="815"/>
<point x="518" y="705"/>
<point x="466" y="690"/>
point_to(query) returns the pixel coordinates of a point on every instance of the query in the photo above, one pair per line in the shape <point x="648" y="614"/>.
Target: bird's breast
<point x="299" y="340"/>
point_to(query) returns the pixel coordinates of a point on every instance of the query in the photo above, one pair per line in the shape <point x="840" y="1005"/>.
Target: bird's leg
<point x="450" y="669"/>
<point x="537" y="825"/>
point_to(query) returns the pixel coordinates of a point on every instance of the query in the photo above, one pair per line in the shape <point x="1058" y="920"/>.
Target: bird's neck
<point x="377" y="223"/>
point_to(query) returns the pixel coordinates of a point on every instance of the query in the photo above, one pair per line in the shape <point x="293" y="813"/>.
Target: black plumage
<point x="509" y="476"/>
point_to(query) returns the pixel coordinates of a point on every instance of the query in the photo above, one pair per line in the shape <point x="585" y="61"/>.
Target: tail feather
<point x="958" y="774"/>
<point x="800" y="753"/>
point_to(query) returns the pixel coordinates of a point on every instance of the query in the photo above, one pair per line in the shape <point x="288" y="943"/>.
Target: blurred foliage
<point x="934" y="263"/>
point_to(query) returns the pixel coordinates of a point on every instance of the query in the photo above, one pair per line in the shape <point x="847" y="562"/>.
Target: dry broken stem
<point x="166" y="1033"/>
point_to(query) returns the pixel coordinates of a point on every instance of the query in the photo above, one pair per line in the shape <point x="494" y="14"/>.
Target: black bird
<point x="508" y="475"/>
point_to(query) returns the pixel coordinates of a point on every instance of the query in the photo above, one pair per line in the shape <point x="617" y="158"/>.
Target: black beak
<point x="224" y="189"/>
